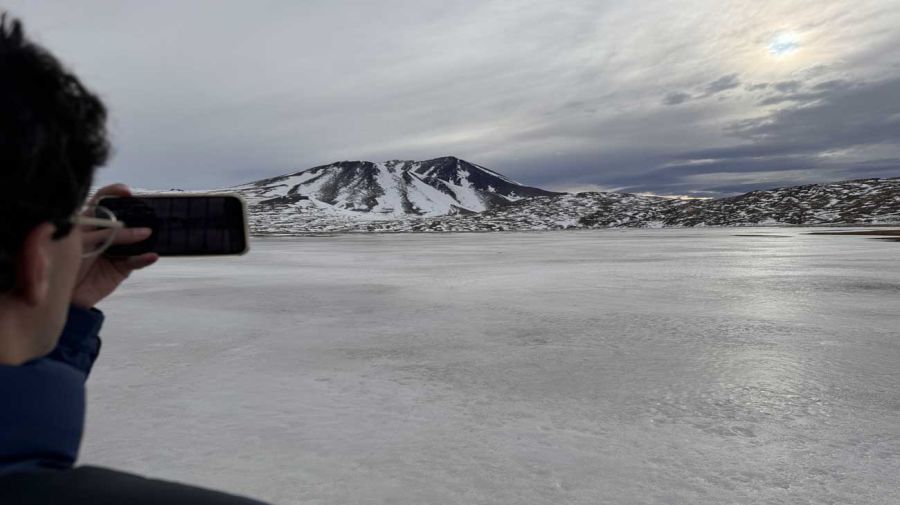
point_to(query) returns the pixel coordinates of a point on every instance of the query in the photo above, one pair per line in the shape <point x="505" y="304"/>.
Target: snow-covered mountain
<point x="867" y="201"/>
<point x="394" y="189"/>
<point x="864" y="201"/>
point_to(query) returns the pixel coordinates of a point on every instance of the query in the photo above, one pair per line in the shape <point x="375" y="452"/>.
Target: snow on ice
<point x="642" y="366"/>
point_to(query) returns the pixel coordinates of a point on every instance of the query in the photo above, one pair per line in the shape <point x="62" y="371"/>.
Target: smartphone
<point x="183" y="224"/>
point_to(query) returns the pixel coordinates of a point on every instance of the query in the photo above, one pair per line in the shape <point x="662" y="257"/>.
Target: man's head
<point x="52" y="138"/>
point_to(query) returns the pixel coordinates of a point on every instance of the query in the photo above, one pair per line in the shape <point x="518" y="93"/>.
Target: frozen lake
<point x="627" y="367"/>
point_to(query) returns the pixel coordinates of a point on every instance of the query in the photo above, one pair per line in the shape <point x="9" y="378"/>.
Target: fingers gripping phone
<point x="183" y="224"/>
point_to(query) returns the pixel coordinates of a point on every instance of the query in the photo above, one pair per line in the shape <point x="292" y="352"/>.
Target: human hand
<point x="100" y="275"/>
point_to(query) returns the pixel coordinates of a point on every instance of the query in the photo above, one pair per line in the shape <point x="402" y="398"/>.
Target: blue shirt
<point x="42" y="401"/>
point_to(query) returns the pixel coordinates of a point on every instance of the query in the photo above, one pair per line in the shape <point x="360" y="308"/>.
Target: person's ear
<point x="33" y="265"/>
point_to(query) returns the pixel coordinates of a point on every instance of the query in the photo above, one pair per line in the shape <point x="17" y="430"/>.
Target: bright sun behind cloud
<point x="783" y="43"/>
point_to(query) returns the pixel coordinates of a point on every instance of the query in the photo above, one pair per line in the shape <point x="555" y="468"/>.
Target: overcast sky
<point x="703" y="97"/>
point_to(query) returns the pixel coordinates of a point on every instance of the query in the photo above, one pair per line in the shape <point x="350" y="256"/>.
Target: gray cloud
<point x="794" y="91"/>
<point x="787" y="86"/>
<point x="723" y="83"/>
<point x="676" y="98"/>
<point x="847" y="131"/>
<point x="757" y="87"/>
<point x="827" y="139"/>
<point x="844" y="116"/>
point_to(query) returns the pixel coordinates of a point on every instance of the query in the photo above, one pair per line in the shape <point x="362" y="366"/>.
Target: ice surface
<point x="641" y="366"/>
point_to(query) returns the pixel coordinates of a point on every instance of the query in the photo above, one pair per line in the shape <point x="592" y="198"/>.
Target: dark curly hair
<point x="52" y="139"/>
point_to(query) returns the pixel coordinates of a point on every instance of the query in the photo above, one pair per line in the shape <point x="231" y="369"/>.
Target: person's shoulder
<point x="102" y="486"/>
<point x="41" y="415"/>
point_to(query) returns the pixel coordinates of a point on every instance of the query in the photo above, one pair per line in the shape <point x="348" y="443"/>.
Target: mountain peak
<point x="453" y="159"/>
<point x="395" y="188"/>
